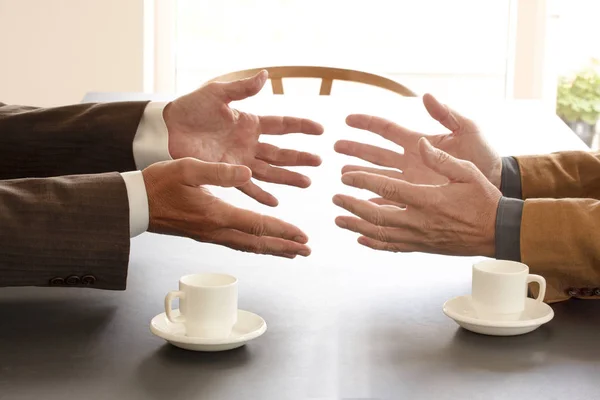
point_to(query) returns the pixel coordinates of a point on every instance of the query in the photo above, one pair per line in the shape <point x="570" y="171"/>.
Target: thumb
<point x="196" y="173"/>
<point x="244" y="88"/>
<point x="444" y="164"/>
<point x="443" y="114"/>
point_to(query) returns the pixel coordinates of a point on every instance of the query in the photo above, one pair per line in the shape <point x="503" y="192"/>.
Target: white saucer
<point x="460" y="309"/>
<point x="249" y="326"/>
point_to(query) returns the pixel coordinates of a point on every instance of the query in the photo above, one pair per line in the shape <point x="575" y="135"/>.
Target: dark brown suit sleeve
<point x="76" y="139"/>
<point x="64" y="231"/>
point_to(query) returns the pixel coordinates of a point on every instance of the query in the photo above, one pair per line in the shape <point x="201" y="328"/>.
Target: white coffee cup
<point x="499" y="289"/>
<point x="208" y="304"/>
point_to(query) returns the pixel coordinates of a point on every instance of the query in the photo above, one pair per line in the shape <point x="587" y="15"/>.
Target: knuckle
<point x="213" y="86"/>
<point x="470" y="168"/>
<point x="443" y="157"/>
<point x="260" y="247"/>
<point x="220" y="172"/>
<point x="381" y="234"/>
<point x="468" y="165"/>
<point x="387" y="128"/>
<point x="388" y="190"/>
<point x="185" y="168"/>
<point x="258" y="227"/>
<point x="391" y="247"/>
<point x="426" y="229"/>
<point x="287" y="123"/>
<point x="184" y="163"/>
<point x="378" y="218"/>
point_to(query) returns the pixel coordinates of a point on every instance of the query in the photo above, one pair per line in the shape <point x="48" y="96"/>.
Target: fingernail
<point x="301" y="239"/>
<point x="347" y="179"/>
<point x="304" y="253"/>
<point x="341" y="223"/>
<point x="336" y="200"/>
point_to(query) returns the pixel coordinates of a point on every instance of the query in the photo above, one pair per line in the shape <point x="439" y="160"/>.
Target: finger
<point x="384" y="172"/>
<point x="370" y="212"/>
<point x="372" y="154"/>
<point x="267" y="173"/>
<point x="284" y="157"/>
<point x="384" y="202"/>
<point x="262" y="225"/>
<point x="384" y="128"/>
<point x="443" y="114"/>
<point x="381" y="233"/>
<point x="258" y="194"/>
<point x="260" y="245"/>
<point x="388" y="188"/>
<point x="394" y="247"/>
<point x="195" y="172"/>
<point x="275" y="125"/>
<point x="444" y="164"/>
<point x="242" y="88"/>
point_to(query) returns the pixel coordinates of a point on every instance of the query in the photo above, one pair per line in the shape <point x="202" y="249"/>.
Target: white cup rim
<point x="194" y="280"/>
<point x="511" y="267"/>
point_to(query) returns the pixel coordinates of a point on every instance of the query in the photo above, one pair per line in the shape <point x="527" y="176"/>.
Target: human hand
<point x="464" y="142"/>
<point x="202" y="125"/>
<point x="181" y="205"/>
<point x="456" y="218"/>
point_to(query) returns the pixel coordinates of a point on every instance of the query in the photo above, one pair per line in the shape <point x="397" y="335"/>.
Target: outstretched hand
<point x="464" y="141"/>
<point x="455" y="218"/>
<point x="202" y="125"/>
<point x="181" y="205"/>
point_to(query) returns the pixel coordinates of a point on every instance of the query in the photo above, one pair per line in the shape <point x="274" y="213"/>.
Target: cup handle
<point x="168" y="300"/>
<point x="540" y="281"/>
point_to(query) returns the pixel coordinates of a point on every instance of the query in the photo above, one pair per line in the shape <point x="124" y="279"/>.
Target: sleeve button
<point x="88" y="280"/>
<point x="73" y="280"/>
<point x="57" y="281"/>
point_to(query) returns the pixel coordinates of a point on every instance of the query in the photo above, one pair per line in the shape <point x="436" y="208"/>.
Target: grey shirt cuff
<point x="510" y="182"/>
<point x="508" y="229"/>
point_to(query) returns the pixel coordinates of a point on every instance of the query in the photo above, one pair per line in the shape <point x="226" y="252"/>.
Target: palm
<point x="231" y="137"/>
<point x="202" y="125"/>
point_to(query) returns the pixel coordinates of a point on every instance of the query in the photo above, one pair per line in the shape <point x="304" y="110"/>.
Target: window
<point x="450" y="48"/>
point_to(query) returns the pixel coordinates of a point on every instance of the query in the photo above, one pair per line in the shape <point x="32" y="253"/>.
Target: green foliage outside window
<point x="578" y="97"/>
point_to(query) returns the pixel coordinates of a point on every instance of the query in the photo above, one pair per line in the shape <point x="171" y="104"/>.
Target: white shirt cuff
<point x="139" y="216"/>
<point x="151" y="141"/>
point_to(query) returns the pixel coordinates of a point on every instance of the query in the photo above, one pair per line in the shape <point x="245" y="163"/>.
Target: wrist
<point x="151" y="181"/>
<point x="495" y="176"/>
<point x="488" y="248"/>
<point x="171" y="131"/>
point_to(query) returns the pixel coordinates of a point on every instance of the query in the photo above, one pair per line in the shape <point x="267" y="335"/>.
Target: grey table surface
<point x="346" y="322"/>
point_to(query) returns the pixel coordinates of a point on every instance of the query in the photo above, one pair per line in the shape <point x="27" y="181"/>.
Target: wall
<point x="54" y="51"/>
<point x="535" y="58"/>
